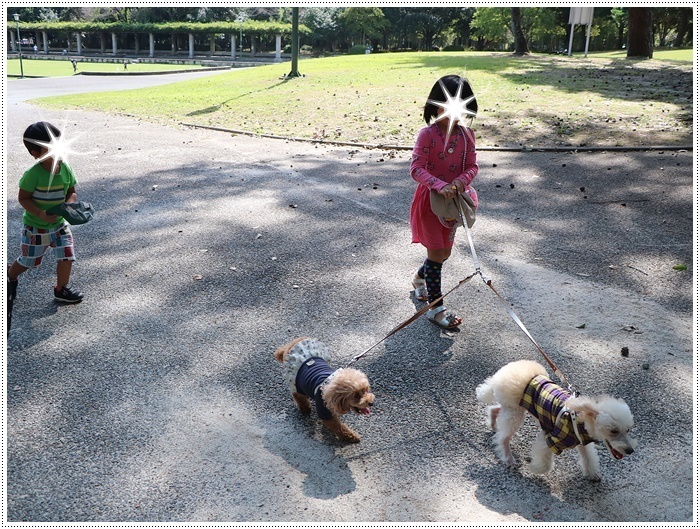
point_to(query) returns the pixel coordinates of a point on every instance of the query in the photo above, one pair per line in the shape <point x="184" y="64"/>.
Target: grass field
<point x="665" y="54"/>
<point x="538" y="100"/>
<point x="55" y="68"/>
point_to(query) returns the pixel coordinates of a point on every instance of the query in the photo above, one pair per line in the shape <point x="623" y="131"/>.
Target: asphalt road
<point x="157" y="399"/>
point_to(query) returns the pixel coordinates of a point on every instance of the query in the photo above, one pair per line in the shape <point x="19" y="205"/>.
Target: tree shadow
<point x="215" y="108"/>
<point x="198" y="265"/>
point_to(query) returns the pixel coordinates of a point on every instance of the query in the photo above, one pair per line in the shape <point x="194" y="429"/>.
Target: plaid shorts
<point x="35" y="242"/>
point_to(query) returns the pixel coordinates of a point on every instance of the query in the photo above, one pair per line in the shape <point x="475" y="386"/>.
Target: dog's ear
<point x="583" y="406"/>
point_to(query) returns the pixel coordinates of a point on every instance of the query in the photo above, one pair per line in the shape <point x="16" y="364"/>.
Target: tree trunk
<point x="640" y="33"/>
<point x="620" y="37"/>
<point x="518" y="35"/>
<point x="683" y="23"/>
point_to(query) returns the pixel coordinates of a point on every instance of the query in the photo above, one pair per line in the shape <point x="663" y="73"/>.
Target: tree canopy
<point x="332" y="28"/>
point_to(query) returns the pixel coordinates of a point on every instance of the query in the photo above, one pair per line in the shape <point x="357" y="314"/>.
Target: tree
<point x="664" y="23"/>
<point x="324" y="25"/>
<point x="641" y="33"/>
<point x="543" y="26"/>
<point x="685" y="15"/>
<point x="518" y="35"/>
<point x="461" y="25"/>
<point x="368" y="21"/>
<point x="402" y="28"/>
<point x="430" y="22"/>
<point x="490" y="25"/>
<point x="620" y="18"/>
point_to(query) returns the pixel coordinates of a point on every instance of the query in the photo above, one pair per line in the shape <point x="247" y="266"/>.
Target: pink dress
<point x="434" y="167"/>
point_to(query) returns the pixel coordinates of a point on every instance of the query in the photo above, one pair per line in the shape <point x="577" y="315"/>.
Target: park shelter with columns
<point x="72" y="33"/>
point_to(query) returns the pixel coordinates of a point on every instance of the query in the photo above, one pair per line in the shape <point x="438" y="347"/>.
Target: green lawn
<point x="56" y="68"/>
<point x="666" y="54"/>
<point x="538" y="100"/>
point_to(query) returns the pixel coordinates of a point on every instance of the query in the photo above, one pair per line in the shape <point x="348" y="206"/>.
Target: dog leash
<point x="510" y="310"/>
<point x="411" y="319"/>
<point x="486" y="280"/>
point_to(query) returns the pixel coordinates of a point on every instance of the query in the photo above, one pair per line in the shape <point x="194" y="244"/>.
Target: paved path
<point x="157" y="398"/>
<point x="23" y="89"/>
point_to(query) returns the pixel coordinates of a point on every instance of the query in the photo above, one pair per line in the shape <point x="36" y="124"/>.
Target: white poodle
<point x="566" y="421"/>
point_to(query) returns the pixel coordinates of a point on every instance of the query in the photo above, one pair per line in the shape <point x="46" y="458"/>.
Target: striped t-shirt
<point x="47" y="191"/>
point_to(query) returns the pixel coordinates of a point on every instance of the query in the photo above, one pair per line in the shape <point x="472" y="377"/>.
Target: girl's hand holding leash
<point x="451" y="191"/>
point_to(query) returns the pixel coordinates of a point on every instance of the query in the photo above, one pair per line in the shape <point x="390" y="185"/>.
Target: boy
<point x="40" y="188"/>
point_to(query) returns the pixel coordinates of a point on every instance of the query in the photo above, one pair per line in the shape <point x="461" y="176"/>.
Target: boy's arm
<point x="71" y="195"/>
<point x="26" y="201"/>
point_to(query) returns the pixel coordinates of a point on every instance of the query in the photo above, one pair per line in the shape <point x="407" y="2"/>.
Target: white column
<point x="103" y="43"/>
<point x="114" y="43"/>
<point x="137" y="49"/>
<point x="191" y="45"/>
<point x="13" y="42"/>
<point x="79" y="42"/>
<point x="278" y="48"/>
<point x="252" y="45"/>
<point x="151" y="45"/>
<point x="45" y="38"/>
<point x="233" y="47"/>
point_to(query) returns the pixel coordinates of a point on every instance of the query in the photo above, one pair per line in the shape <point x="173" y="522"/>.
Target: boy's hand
<point x="48" y="218"/>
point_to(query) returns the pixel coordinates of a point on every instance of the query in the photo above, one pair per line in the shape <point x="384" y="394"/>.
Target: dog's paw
<point x="351" y="438"/>
<point x="510" y="462"/>
<point x="594" y="477"/>
<point x="539" y="467"/>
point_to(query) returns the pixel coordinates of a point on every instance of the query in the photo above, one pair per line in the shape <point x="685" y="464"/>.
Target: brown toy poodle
<point x="335" y="392"/>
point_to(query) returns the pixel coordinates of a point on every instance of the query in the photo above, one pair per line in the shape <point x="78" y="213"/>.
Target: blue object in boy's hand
<point x="73" y="212"/>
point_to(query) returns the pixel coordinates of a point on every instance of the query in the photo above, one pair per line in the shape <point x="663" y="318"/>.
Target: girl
<point x="444" y="159"/>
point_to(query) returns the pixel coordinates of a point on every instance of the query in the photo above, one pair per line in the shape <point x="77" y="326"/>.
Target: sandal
<point x="420" y="291"/>
<point x="444" y="318"/>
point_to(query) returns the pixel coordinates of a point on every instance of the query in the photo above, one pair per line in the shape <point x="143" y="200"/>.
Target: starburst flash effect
<point x="454" y="107"/>
<point x="58" y="148"/>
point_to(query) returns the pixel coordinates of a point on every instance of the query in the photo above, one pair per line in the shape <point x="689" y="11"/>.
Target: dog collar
<point x="574" y="423"/>
<point x="322" y="384"/>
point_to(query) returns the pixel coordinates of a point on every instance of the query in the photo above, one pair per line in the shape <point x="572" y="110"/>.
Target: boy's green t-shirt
<point x="47" y="191"/>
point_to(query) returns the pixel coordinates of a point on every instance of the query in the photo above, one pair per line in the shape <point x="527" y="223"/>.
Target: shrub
<point x="453" y="47"/>
<point x="357" y="49"/>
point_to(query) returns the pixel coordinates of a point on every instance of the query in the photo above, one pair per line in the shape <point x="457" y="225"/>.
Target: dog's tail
<point x="484" y="392"/>
<point x="283" y="350"/>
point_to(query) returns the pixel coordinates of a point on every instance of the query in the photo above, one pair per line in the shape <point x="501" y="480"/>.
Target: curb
<point x="410" y="147"/>
<point x="165" y="72"/>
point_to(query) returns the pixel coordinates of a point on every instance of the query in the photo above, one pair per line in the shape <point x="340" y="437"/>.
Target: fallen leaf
<point x="198" y="277"/>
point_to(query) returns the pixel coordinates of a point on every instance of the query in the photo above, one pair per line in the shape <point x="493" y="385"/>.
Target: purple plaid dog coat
<point x="546" y="401"/>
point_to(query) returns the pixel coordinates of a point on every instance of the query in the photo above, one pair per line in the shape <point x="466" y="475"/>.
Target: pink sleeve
<point x="419" y="162"/>
<point x="471" y="168"/>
